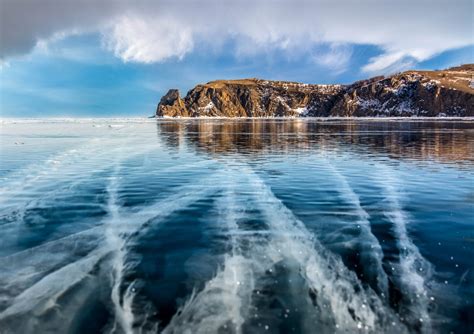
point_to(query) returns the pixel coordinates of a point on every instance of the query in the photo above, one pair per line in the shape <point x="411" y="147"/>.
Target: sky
<point x="87" y="58"/>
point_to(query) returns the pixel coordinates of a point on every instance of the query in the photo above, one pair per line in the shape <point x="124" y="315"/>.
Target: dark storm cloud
<point x="24" y="22"/>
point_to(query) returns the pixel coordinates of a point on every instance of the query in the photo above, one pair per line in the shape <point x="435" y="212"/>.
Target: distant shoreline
<point x="13" y="120"/>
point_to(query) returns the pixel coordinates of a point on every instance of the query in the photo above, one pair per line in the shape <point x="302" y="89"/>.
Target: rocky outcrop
<point x="413" y="93"/>
<point x="172" y="105"/>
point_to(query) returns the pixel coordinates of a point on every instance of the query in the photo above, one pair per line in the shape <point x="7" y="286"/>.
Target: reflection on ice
<point x="85" y="246"/>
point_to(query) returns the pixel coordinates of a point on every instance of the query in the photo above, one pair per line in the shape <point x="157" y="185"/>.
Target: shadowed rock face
<point x="413" y="93"/>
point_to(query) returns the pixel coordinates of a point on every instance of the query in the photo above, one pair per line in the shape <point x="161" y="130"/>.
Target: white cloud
<point x="336" y="58"/>
<point x="383" y="61"/>
<point x="140" y="39"/>
<point x="154" y="31"/>
<point x="388" y="63"/>
<point x="4" y="64"/>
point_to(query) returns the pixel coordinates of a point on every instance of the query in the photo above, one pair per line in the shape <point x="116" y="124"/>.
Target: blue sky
<point x="122" y="60"/>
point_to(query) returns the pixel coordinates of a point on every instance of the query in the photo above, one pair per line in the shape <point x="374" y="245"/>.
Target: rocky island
<point x="441" y="93"/>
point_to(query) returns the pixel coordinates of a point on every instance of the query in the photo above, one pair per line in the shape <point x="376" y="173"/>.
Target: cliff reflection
<point x="447" y="141"/>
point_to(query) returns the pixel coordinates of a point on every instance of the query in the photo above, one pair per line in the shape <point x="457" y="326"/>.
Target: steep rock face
<point x="422" y="93"/>
<point x="259" y="98"/>
<point x="413" y="93"/>
<point x="172" y="105"/>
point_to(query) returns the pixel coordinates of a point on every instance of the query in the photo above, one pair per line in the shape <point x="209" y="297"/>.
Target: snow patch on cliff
<point x="403" y="107"/>
<point x="368" y="104"/>
<point x="303" y="111"/>
<point x="208" y="107"/>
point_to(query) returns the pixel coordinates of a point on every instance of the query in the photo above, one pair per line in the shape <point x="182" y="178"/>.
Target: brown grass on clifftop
<point x="459" y="77"/>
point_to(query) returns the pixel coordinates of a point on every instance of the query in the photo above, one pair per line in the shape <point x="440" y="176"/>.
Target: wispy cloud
<point x="147" y="32"/>
<point x="336" y="58"/>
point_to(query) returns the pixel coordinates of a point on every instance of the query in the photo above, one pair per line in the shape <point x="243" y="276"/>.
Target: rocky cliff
<point x="413" y="93"/>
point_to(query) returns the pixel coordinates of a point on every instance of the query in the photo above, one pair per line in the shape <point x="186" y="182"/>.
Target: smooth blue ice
<point x="236" y="226"/>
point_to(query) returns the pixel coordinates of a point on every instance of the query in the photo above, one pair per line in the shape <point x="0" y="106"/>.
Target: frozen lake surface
<point x="236" y="226"/>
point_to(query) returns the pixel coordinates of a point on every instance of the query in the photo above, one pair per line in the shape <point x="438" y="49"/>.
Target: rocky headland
<point x="445" y="93"/>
